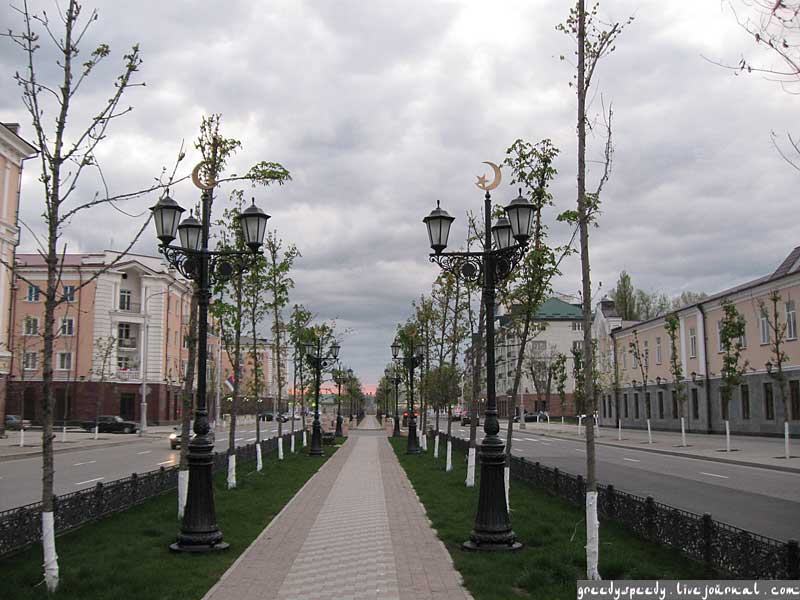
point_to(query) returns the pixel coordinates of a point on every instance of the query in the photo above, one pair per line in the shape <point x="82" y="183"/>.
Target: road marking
<point x="579" y="450"/>
<point x="145" y="452"/>
<point x="166" y="462"/>
<point x="89" y="481"/>
<point x="238" y="439"/>
<point x="517" y="439"/>
<point x="714" y="475"/>
<point x="251" y="439"/>
<point x="631" y="459"/>
<point x="88" y="462"/>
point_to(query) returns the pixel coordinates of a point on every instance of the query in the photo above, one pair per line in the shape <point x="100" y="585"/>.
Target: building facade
<point x="638" y="388"/>
<point x="13" y="152"/>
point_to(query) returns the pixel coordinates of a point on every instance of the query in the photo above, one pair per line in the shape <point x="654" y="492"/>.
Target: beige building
<point x="755" y="407"/>
<point x="13" y="152"/>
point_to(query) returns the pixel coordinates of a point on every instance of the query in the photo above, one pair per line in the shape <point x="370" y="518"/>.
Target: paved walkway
<point x="335" y="540"/>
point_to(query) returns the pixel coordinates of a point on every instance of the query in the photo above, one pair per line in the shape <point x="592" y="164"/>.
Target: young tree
<point x="297" y="328"/>
<point x="278" y="284"/>
<point x="672" y="325"/>
<point x="560" y="379"/>
<point x="731" y="333"/>
<point x="541" y="364"/>
<point x="104" y="348"/>
<point x="594" y="41"/>
<point x="253" y="282"/>
<point x="67" y="152"/>
<point x="624" y="297"/>
<point x="777" y="338"/>
<point x="641" y="359"/>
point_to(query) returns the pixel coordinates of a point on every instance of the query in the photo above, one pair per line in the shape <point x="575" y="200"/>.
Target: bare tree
<point x="777" y="339"/>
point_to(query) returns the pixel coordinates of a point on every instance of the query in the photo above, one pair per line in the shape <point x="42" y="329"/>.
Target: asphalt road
<point x="20" y="479"/>
<point x="761" y="500"/>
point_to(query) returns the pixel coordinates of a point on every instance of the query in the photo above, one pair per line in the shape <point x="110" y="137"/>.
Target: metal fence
<point x="723" y="548"/>
<point x="22" y="527"/>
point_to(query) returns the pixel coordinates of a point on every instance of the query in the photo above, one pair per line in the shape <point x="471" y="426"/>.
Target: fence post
<point x="611" y="500"/>
<point x="792" y="560"/>
<point x="650" y="517"/>
<point x="98" y="499"/>
<point x="580" y="485"/>
<point x="556" y="476"/>
<point x="135" y="485"/>
<point x="708" y="542"/>
<point x="537" y="474"/>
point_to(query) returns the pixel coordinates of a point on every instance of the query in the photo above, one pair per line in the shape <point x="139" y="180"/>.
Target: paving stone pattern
<point x="335" y="539"/>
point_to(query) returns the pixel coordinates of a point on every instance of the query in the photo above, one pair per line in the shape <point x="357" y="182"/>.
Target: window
<point x="695" y="405"/>
<point x="724" y="406"/>
<point x="33" y="293"/>
<point x="744" y="393"/>
<point x="64" y="361"/>
<point x="635" y="363"/>
<point x="577" y="345"/>
<point x="648" y="409"/>
<point x="635" y="405"/>
<point x="625" y="404"/>
<point x="658" y="350"/>
<point x="719" y="337"/>
<point x="763" y="323"/>
<point x="791" y="321"/>
<point x="67" y="326"/>
<point x="794" y="395"/>
<point x="69" y="293"/>
<point x="123" y="362"/>
<point x="674" y="404"/>
<point x="185" y="365"/>
<point x="30" y="361"/>
<point x="538" y="347"/>
<point x="30" y="326"/>
<point x="743" y="339"/>
<point x="692" y="342"/>
<point x="577" y="326"/>
<point x="124" y="331"/>
<point x="769" y="405"/>
<point x="186" y="341"/>
<point x="660" y="404"/>
<point x="124" y="299"/>
<point x="646" y="355"/>
<point x="624" y="360"/>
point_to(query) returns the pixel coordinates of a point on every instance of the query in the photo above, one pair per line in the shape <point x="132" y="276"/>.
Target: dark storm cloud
<point x="379" y="109"/>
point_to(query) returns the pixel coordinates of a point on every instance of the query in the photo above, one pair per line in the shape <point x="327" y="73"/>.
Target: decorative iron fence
<point x="22" y="527"/>
<point x="723" y="548"/>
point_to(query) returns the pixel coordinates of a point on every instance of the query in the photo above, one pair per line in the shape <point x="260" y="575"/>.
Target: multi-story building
<point x="645" y="386"/>
<point x="13" y="152"/>
<point x="118" y="327"/>
<point x="557" y="329"/>
<point x="268" y="376"/>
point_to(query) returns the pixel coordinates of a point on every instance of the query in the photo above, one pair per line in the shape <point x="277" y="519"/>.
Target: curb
<point x="38" y="452"/>
<point x="717" y="459"/>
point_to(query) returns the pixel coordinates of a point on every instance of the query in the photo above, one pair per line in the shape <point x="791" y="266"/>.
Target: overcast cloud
<point x="378" y="109"/>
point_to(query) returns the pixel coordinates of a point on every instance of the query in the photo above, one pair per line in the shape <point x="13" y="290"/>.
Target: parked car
<point x="284" y="417"/>
<point x="111" y="424"/>
<point x="16" y="422"/>
<point x="456" y="415"/>
<point x="405" y="417"/>
<point x="175" y="438"/>
<point x="267" y="416"/>
<point x="529" y="418"/>
<point x="465" y="419"/>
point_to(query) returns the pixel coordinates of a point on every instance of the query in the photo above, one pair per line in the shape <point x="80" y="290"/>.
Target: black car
<point x="266" y="417"/>
<point x="465" y="419"/>
<point x="16" y="422"/>
<point x="111" y="424"/>
<point x="529" y="418"/>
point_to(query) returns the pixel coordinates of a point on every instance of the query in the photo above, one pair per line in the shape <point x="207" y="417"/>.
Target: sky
<point x="378" y="109"/>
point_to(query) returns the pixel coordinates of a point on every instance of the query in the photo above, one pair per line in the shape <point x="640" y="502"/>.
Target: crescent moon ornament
<point x="487" y="186"/>
<point x="203" y="185"/>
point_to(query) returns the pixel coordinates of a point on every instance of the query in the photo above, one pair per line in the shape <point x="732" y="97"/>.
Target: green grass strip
<point x="552" y="530"/>
<point x="127" y="555"/>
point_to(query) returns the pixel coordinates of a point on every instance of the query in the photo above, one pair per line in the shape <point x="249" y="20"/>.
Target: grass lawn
<point x="127" y="555"/>
<point x="552" y="530"/>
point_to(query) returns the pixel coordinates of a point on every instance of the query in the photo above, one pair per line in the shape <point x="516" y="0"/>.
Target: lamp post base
<point x="413" y="443"/>
<point x="316" y="439"/>
<point x="396" y="432"/>
<point x="339" y="420"/>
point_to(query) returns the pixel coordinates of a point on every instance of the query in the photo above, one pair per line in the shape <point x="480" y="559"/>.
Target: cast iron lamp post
<point x="199" y="530"/>
<point x="410" y="363"/>
<point x="339" y="376"/>
<point x="492" y="530"/>
<point x="395" y="379"/>
<point x="319" y="361"/>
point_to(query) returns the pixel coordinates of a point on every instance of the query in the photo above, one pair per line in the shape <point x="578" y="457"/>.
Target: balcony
<point x="130" y="307"/>
<point x="128" y="374"/>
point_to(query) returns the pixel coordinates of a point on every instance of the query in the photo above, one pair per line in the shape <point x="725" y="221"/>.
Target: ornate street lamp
<point x="199" y="531"/>
<point x="410" y="363"/>
<point x="492" y="530"/>
<point x="395" y="379"/>
<point x="338" y="377"/>
<point x="318" y="361"/>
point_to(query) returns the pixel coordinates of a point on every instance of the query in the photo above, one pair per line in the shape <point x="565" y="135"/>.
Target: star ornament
<point x="482" y="183"/>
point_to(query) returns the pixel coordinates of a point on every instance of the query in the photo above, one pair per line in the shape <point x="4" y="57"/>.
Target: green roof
<point x="554" y="309"/>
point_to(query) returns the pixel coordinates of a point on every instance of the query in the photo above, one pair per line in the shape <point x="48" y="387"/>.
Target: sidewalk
<point x="757" y="451"/>
<point x="335" y="539"/>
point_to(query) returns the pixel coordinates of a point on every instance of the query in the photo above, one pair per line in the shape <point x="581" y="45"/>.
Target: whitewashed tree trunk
<point x="449" y="465"/>
<point x="304" y="438"/>
<point x="291" y="444"/>
<point x="580" y="421"/>
<point x="727" y="436"/>
<point x="64" y="433"/>
<point x="96" y="431"/>
<point x="21" y="438"/>
<point x="424" y="442"/>
<point x="649" y="433"/>
<point x="619" y="431"/>
<point x="786" y="439"/>
<point x="562" y="419"/>
<point x="231" y="471"/>
<point x="592" y="537"/>
<point x="683" y="432"/>
<point x="436" y="447"/>
<point x="507" y="481"/>
<point x="471" y="468"/>
<point x="50" y="556"/>
<point x="259" y="464"/>
<point x="280" y="448"/>
<point x="183" y="490"/>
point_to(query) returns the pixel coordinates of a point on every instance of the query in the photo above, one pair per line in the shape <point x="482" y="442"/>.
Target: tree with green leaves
<point x="641" y="360"/>
<point x="253" y="282"/>
<point x="560" y="379"/>
<point x="777" y="339"/>
<point x="672" y="326"/>
<point x="278" y="284"/>
<point x="731" y="334"/>
<point x="299" y="334"/>
<point x="594" y="40"/>
<point x="624" y="297"/>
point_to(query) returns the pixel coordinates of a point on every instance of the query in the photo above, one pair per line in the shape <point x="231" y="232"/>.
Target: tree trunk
<point x="237" y="369"/>
<point x="186" y="402"/>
